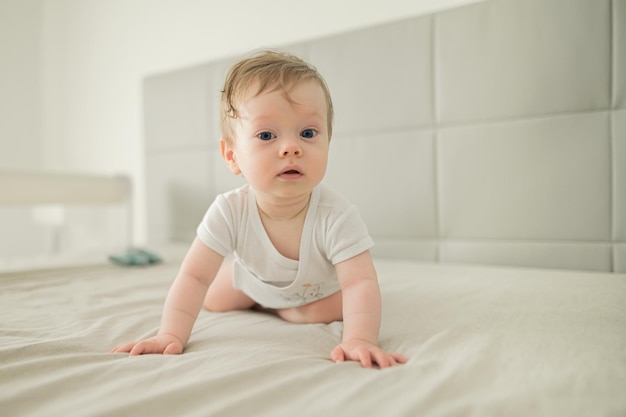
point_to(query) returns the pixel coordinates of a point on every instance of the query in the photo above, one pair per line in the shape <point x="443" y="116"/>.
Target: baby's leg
<point x="222" y="296"/>
<point x="326" y="310"/>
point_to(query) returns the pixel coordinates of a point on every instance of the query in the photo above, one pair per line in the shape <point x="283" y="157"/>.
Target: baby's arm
<point x="361" y="315"/>
<point x="183" y="303"/>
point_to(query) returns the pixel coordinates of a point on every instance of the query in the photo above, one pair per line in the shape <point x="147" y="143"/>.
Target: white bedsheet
<point x="480" y="341"/>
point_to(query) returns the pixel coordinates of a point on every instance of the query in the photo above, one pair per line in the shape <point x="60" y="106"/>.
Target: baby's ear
<point x="228" y="153"/>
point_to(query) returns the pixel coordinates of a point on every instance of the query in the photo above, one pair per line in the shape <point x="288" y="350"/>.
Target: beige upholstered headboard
<point x="494" y="133"/>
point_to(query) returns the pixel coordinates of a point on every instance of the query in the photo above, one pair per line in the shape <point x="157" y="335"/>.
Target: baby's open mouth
<point x="291" y="174"/>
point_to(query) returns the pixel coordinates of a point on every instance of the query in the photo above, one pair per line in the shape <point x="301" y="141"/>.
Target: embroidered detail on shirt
<point x="310" y="292"/>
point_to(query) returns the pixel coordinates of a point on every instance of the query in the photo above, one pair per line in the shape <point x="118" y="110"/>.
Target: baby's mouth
<point x="290" y="174"/>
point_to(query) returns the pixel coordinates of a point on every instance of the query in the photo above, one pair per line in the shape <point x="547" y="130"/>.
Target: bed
<point x="480" y="340"/>
<point x="488" y="341"/>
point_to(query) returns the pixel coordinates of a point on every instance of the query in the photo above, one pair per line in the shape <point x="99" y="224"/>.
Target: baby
<point x="283" y="242"/>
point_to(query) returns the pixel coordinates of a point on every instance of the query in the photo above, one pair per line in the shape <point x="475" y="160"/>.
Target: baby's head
<point x="266" y="71"/>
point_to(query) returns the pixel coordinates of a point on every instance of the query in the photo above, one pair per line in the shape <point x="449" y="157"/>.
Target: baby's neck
<point x="286" y="211"/>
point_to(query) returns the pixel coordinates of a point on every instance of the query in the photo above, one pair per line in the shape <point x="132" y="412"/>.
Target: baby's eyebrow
<point x="316" y="114"/>
<point x="262" y="118"/>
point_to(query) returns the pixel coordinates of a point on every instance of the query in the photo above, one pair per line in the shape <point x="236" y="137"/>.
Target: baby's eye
<point x="308" y="133"/>
<point x="266" y="136"/>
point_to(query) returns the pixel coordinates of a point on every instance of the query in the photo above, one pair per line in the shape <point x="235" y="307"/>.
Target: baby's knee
<point x="213" y="308"/>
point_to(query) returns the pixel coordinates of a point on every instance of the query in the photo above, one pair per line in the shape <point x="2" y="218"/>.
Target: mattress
<point x="485" y="341"/>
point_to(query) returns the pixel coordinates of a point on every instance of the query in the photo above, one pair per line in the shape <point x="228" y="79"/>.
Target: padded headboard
<point x="493" y="133"/>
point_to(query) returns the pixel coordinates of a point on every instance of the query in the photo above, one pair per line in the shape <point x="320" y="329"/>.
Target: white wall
<point x="20" y="109"/>
<point x="96" y="53"/>
<point x="20" y="83"/>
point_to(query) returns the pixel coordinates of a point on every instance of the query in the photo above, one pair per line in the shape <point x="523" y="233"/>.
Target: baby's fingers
<point x="146" y="347"/>
<point x="364" y="356"/>
<point x="387" y="359"/>
<point x="382" y="359"/>
<point x="173" y="349"/>
<point x="399" y="358"/>
<point x="338" y="355"/>
<point x="125" y="348"/>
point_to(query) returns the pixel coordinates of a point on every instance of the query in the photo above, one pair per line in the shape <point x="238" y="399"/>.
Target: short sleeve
<point x="217" y="227"/>
<point x="347" y="236"/>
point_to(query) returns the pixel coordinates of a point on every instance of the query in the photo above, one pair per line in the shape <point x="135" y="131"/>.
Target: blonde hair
<point x="272" y="71"/>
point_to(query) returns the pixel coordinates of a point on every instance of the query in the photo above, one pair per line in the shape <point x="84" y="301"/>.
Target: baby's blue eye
<point x="266" y="136"/>
<point x="308" y="133"/>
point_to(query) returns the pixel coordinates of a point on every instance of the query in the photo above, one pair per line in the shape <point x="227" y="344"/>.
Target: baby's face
<point x="281" y="144"/>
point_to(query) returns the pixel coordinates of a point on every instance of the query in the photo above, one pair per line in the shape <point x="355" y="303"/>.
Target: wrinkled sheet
<point x="481" y="341"/>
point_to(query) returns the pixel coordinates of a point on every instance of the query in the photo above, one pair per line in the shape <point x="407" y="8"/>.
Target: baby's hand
<point x="165" y="344"/>
<point x="366" y="353"/>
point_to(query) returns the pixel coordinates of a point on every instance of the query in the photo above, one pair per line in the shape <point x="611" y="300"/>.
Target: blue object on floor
<point x="136" y="257"/>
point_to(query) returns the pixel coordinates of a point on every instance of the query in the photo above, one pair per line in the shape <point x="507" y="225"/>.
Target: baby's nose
<point x="291" y="147"/>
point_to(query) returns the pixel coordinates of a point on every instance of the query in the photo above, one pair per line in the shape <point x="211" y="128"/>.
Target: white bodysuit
<point x="333" y="232"/>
